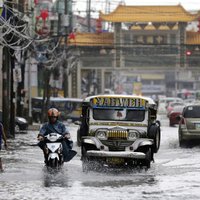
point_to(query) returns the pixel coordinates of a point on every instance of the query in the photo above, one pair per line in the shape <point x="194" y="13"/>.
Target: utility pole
<point x="6" y="89"/>
<point x="12" y="95"/>
<point x="68" y="16"/>
<point x="20" y="85"/>
<point x="8" y="93"/>
<point x="89" y="14"/>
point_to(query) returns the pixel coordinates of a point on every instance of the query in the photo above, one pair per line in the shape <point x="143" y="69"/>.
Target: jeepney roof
<point x="150" y="100"/>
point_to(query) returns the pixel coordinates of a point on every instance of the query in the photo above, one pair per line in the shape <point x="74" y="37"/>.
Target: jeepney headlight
<point x="101" y="135"/>
<point x="132" y="136"/>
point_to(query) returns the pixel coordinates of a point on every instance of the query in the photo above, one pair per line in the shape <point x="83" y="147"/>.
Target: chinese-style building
<point x="148" y="44"/>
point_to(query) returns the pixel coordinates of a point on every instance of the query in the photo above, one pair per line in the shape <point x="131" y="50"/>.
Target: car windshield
<point x="119" y="114"/>
<point x="176" y="104"/>
<point x="178" y="108"/>
<point x="192" y="112"/>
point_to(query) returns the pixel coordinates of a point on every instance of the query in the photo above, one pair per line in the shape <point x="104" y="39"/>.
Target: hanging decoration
<point x="41" y="26"/>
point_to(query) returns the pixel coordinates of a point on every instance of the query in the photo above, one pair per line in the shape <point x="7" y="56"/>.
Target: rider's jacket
<point x="57" y="127"/>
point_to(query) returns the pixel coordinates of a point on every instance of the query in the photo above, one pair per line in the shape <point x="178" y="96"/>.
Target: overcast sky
<point x="96" y="5"/>
<point x="188" y="4"/>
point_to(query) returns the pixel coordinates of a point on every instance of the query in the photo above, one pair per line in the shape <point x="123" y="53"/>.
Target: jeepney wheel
<point x="147" y="161"/>
<point x="154" y="133"/>
<point x="78" y="138"/>
<point x="85" y="160"/>
<point x="90" y="164"/>
<point x="148" y="158"/>
<point x="85" y="166"/>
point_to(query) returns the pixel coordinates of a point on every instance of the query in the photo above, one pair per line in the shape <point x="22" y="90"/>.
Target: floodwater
<point x="174" y="175"/>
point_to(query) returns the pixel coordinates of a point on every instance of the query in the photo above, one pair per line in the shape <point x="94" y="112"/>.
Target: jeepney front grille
<point x="116" y="145"/>
<point x="117" y="134"/>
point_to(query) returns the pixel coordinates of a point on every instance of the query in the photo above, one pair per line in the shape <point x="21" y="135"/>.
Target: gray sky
<point x="188" y="4"/>
<point x="96" y="5"/>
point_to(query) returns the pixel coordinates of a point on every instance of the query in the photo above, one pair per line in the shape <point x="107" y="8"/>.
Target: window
<point x="119" y="114"/>
<point x="192" y="112"/>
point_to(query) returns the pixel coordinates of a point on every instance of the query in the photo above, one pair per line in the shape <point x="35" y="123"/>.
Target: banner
<point x="137" y="88"/>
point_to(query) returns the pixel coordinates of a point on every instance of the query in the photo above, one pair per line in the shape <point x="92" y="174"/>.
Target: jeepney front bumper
<point x="122" y="154"/>
<point x="103" y="150"/>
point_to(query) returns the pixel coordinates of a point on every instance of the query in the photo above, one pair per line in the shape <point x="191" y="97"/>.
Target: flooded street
<point x="174" y="175"/>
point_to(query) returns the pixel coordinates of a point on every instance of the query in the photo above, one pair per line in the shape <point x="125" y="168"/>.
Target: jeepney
<point x="118" y="130"/>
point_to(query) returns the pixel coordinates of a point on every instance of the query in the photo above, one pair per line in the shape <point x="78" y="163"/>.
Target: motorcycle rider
<point x="56" y="126"/>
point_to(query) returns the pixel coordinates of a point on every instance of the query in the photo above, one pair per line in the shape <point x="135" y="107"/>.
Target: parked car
<point x="172" y="115"/>
<point x="21" y="124"/>
<point x="189" y="124"/>
<point x="189" y="101"/>
<point x="172" y="105"/>
<point x="164" y="101"/>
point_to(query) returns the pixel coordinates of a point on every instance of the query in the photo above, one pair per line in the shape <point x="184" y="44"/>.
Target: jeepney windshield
<point x="116" y="114"/>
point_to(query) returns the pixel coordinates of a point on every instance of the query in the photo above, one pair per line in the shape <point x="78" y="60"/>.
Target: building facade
<point x="148" y="48"/>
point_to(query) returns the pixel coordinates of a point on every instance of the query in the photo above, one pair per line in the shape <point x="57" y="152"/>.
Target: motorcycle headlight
<point x="101" y="135"/>
<point x="132" y="136"/>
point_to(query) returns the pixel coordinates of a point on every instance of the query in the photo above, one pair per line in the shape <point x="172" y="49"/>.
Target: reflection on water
<point x="122" y="183"/>
<point x="120" y="177"/>
<point x="55" y="178"/>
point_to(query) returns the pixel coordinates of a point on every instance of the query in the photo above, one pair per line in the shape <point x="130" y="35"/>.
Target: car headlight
<point x="21" y="119"/>
<point x="101" y="135"/>
<point x="132" y="136"/>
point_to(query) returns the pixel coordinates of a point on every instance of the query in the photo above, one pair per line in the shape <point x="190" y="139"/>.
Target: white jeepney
<point x="118" y="130"/>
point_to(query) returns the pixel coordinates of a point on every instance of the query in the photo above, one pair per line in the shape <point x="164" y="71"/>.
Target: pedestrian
<point x="2" y="136"/>
<point x="54" y="125"/>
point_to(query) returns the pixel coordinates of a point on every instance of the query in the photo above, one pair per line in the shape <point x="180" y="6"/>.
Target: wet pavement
<point x="174" y="175"/>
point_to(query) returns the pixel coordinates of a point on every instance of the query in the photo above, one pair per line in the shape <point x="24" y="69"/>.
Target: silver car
<point x="189" y="124"/>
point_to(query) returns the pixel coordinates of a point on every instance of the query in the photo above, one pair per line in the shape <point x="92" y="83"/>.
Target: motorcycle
<point x="53" y="150"/>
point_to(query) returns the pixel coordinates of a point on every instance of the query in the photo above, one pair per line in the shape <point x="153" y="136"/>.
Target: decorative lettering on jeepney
<point x="119" y="102"/>
<point x="118" y="124"/>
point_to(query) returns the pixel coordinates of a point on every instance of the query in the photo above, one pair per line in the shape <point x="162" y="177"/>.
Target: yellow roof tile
<point x="107" y="39"/>
<point x="92" y="39"/>
<point x="149" y="14"/>
<point x="192" y="38"/>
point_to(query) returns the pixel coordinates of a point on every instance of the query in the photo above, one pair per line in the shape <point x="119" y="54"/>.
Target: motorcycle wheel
<point x="53" y="163"/>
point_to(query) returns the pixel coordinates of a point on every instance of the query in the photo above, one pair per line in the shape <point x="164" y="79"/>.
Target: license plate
<point x="115" y="160"/>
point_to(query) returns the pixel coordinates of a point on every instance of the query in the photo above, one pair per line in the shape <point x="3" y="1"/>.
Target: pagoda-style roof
<point x="192" y="38"/>
<point x="92" y="39"/>
<point x="149" y="14"/>
<point x="107" y="39"/>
